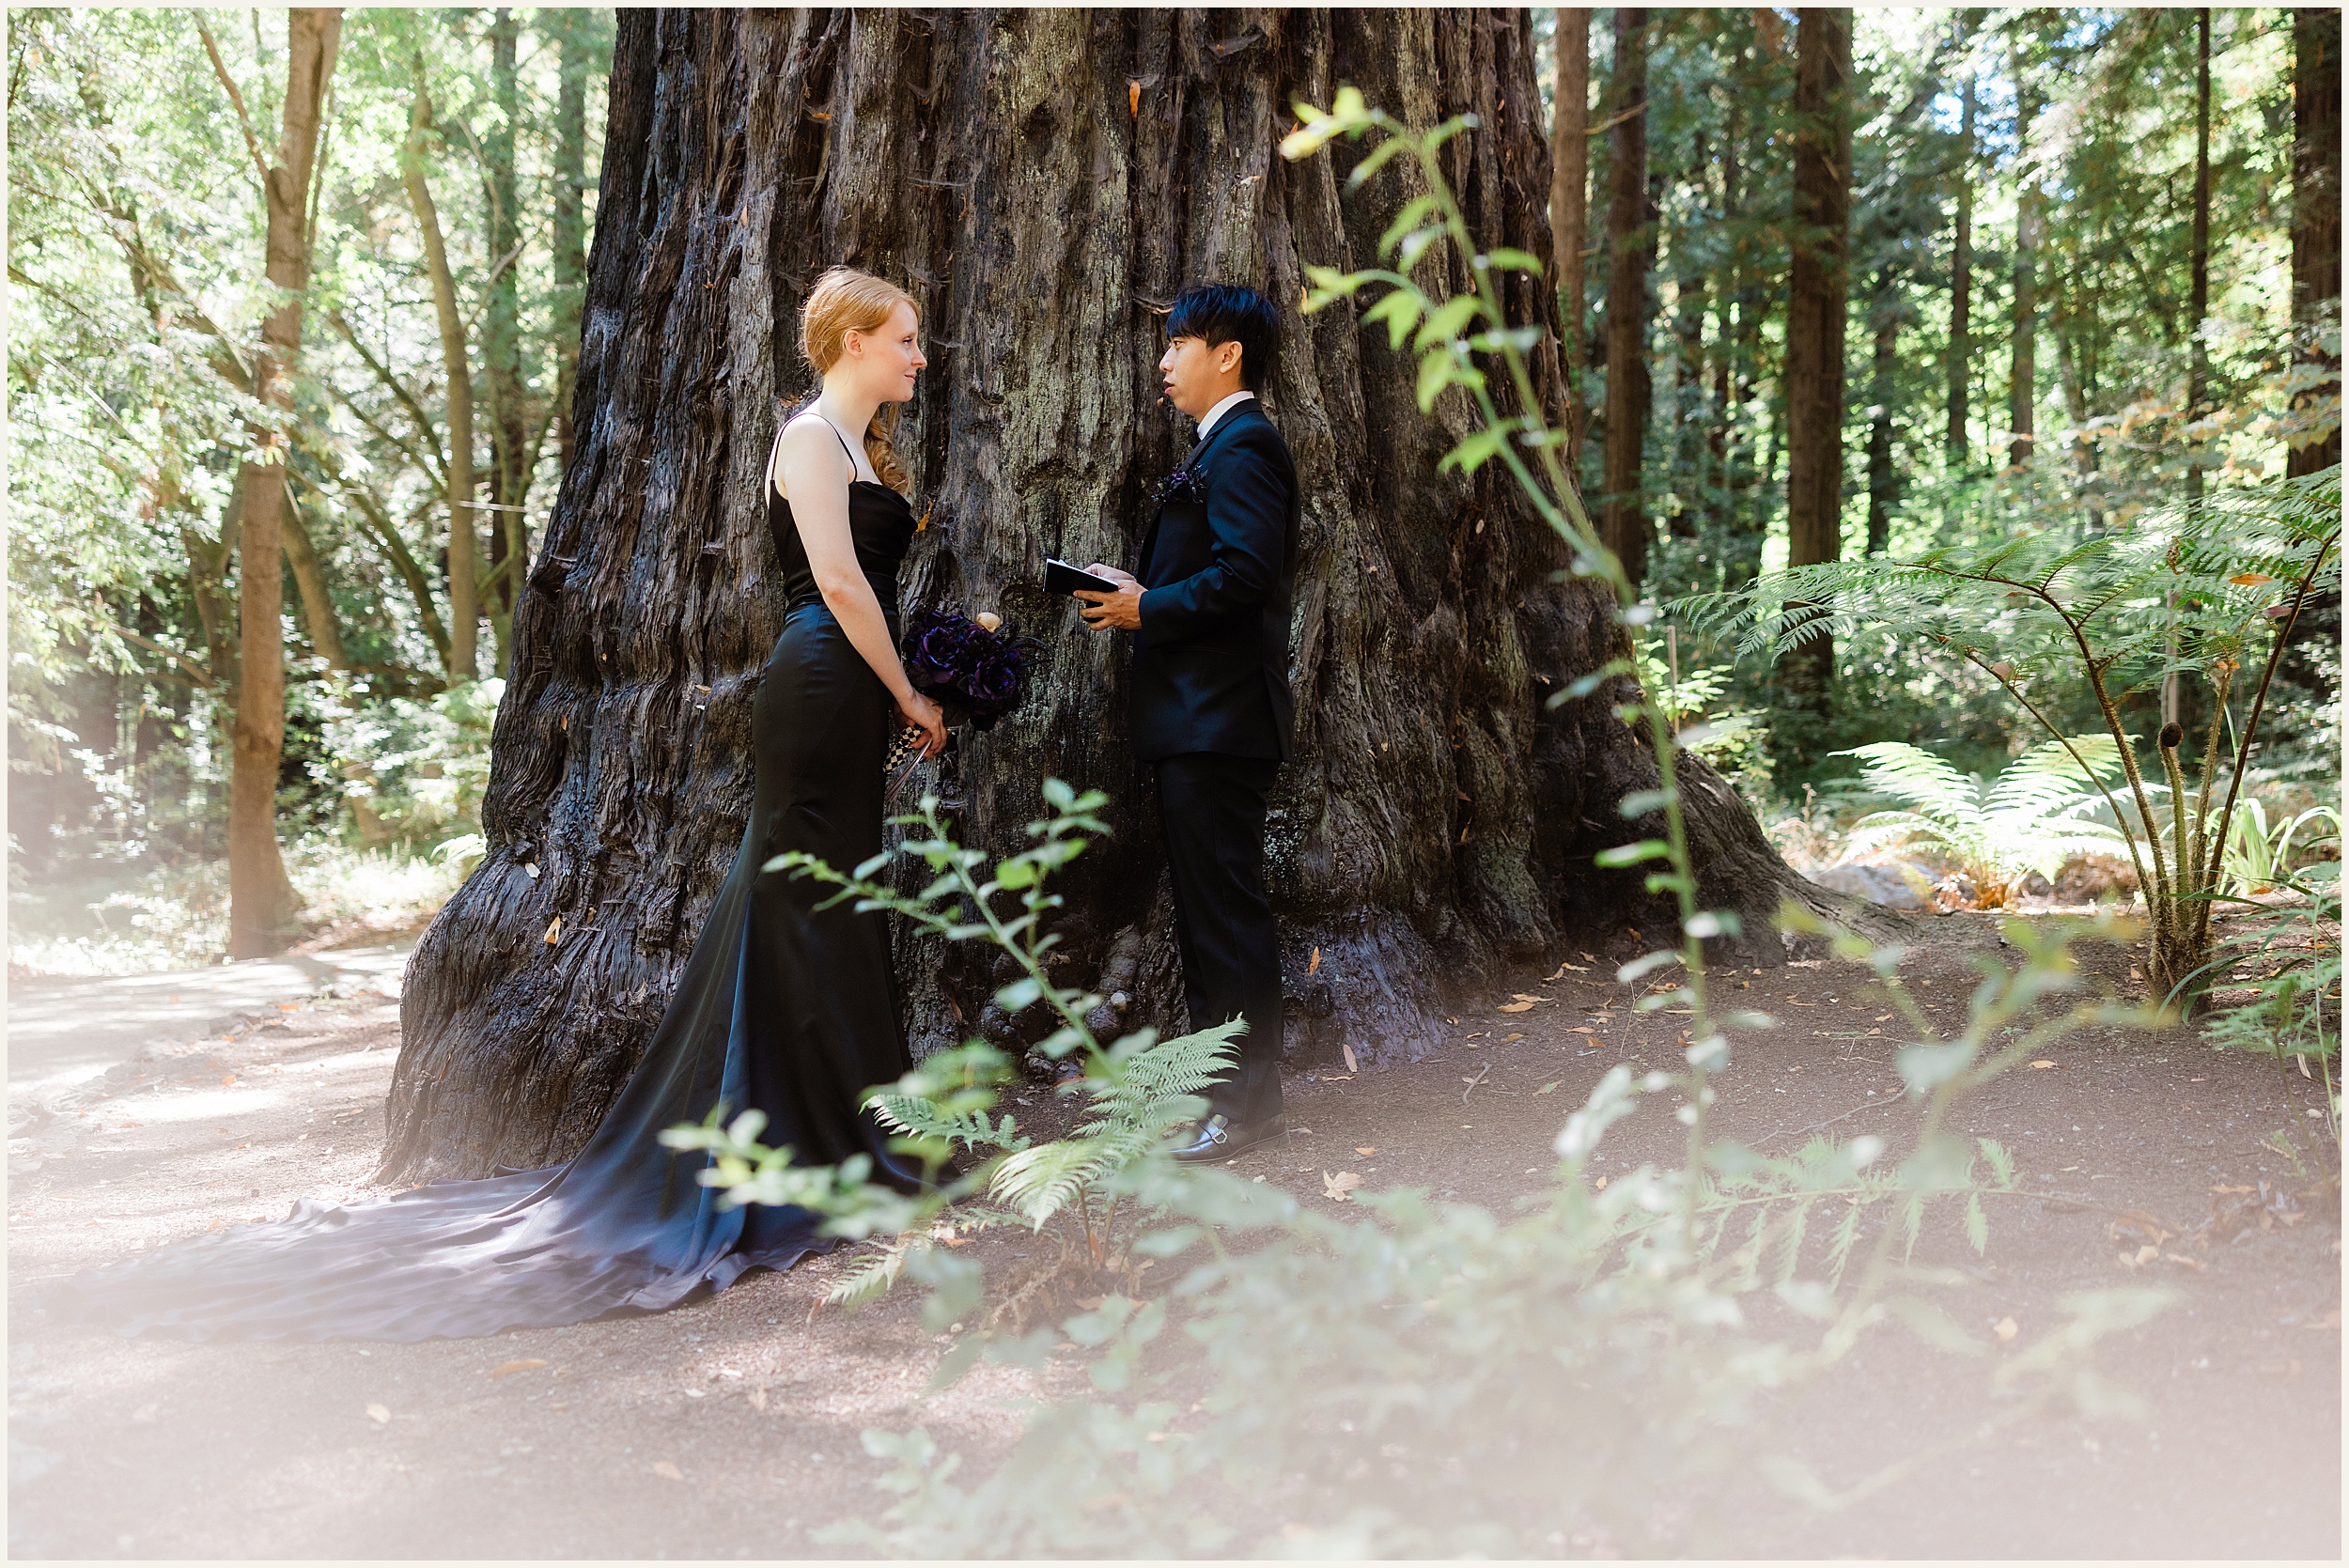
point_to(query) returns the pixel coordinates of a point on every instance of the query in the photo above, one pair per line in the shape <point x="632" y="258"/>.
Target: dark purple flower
<point x="960" y="664"/>
<point x="1181" y="484"/>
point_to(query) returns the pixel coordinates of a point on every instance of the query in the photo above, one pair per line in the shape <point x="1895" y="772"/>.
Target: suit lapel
<point x="1246" y="407"/>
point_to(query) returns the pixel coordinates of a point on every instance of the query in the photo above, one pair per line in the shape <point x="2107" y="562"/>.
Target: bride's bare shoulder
<point x="805" y="437"/>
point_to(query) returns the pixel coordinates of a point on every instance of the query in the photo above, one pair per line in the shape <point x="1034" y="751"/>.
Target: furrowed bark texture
<point x="1044" y="182"/>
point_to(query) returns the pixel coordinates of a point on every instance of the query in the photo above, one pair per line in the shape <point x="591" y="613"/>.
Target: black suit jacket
<point x="1211" y="661"/>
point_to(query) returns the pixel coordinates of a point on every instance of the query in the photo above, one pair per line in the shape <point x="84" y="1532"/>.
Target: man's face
<point x="1197" y="377"/>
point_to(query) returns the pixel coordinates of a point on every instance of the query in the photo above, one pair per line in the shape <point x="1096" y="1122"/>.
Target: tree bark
<point x="570" y="217"/>
<point x="1043" y="182"/>
<point x="1623" y="522"/>
<point x="2316" y="215"/>
<point x="1692" y="481"/>
<point x="2198" y="298"/>
<point x="262" y="902"/>
<point x="1570" y="204"/>
<point x="1817" y="286"/>
<point x="1957" y="442"/>
<point x="464" y="599"/>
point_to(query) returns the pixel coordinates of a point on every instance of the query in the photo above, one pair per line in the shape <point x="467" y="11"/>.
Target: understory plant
<point x="2209" y="592"/>
<point x="2293" y="966"/>
<point x="2032" y="818"/>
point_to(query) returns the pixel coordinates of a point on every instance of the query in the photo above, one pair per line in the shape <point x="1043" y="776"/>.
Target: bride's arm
<point x="814" y="476"/>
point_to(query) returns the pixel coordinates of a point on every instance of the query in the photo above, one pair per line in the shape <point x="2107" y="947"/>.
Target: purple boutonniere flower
<point x="1181" y="484"/>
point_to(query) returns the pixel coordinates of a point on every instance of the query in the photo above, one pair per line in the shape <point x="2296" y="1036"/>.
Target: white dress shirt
<point x="1220" y="409"/>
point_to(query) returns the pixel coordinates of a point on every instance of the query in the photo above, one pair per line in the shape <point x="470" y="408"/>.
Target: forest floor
<point x="729" y="1428"/>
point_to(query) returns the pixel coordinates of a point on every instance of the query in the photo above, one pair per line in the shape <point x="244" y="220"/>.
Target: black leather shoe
<point x="1221" y="1137"/>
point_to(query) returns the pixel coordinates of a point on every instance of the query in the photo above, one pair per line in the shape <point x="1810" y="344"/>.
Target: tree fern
<point x="2032" y="818"/>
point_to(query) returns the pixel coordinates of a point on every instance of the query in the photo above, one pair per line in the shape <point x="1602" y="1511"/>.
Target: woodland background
<point x="2069" y="300"/>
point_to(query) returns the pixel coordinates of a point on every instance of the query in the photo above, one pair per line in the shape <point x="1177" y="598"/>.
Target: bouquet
<point x="977" y="670"/>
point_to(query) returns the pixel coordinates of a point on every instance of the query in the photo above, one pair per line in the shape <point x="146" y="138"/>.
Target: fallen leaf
<point x="759" y="1399"/>
<point x="2043" y="1063"/>
<point x="1365" y="1151"/>
<point x="1506" y="1038"/>
<point x="507" y="1369"/>
<point x="228" y="1081"/>
<point x="2194" y="1264"/>
<point x="1515" y="1006"/>
<point x="1337" y="1186"/>
<point x="2006" y="1330"/>
<point x="2142" y="1223"/>
<point x="1579" y="1028"/>
<point x="1091" y="1303"/>
<point x="2250" y="579"/>
<point x="2234" y="1189"/>
<point x="1133" y="96"/>
<point x="1520" y="995"/>
<point x="1337" y="1078"/>
<point x="289" y="1006"/>
<point x="380" y="1416"/>
<point x="1351" y="1065"/>
<point x="1549" y="1088"/>
<point x="2147" y="1253"/>
<point x="1315" y="964"/>
<point x="1602" y="1185"/>
<point x="667" y="1471"/>
<point x="554" y="929"/>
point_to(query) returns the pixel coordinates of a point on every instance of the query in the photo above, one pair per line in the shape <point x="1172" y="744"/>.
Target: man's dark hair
<point x="1221" y="313"/>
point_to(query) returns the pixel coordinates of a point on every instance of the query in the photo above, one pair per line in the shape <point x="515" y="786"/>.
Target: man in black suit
<point x="1211" y="709"/>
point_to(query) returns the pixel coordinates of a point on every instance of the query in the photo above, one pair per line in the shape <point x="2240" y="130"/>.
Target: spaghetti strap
<point x="774" y="454"/>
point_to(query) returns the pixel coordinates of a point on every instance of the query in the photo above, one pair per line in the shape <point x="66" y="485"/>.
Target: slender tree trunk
<point x="1815" y="301"/>
<point x="2316" y="218"/>
<point x="1884" y="483"/>
<point x="262" y="902"/>
<point x="570" y="222"/>
<point x="1438" y="825"/>
<point x="1622" y="515"/>
<point x="1690" y="423"/>
<point x="2071" y="367"/>
<point x="502" y="337"/>
<point x="2022" y="385"/>
<point x="2198" y="305"/>
<point x="1570" y="201"/>
<point x="1957" y="442"/>
<point x="318" y="617"/>
<point x="464" y="602"/>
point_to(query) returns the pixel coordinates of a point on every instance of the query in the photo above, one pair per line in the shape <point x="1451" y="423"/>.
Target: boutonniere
<point x="1181" y="484"/>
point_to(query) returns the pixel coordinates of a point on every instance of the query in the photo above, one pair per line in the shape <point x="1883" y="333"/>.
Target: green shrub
<point x="2032" y="818"/>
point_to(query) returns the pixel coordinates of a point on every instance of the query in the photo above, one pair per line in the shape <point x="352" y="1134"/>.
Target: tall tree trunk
<point x="2022" y="384"/>
<point x="1437" y="827"/>
<point x="1957" y="442"/>
<point x="1570" y="203"/>
<point x="1883" y="482"/>
<point x="2316" y="216"/>
<point x="318" y="617"/>
<point x="2197" y="300"/>
<point x="1622" y="517"/>
<point x="1816" y="293"/>
<point x="1692" y="483"/>
<point x="262" y="902"/>
<point x="570" y="221"/>
<point x="464" y="599"/>
<point x="502" y="337"/>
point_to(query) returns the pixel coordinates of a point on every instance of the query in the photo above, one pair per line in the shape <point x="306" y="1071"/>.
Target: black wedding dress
<point x="782" y="1007"/>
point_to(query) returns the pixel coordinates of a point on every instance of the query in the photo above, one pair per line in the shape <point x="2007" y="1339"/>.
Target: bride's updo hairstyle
<point x="845" y="301"/>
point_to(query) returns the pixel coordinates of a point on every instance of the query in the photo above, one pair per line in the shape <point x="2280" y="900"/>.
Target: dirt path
<point x="729" y="1428"/>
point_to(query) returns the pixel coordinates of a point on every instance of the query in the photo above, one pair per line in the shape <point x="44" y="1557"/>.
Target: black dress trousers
<point x="1211" y="816"/>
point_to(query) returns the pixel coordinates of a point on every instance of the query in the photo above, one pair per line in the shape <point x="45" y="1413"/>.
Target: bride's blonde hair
<point x="845" y="301"/>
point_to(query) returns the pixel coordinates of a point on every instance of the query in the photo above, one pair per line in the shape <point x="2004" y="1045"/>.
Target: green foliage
<point x="2203" y="590"/>
<point x="410" y="773"/>
<point x="2032" y="818"/>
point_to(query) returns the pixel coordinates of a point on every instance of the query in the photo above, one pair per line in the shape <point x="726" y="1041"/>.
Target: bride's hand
<point x="926" y="716"/>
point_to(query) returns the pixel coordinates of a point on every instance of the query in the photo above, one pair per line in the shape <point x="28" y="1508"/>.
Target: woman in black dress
<point x="783" y="1006"/>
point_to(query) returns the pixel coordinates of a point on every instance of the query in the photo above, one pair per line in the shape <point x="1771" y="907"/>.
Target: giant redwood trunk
<point x="1044" y="182"/>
